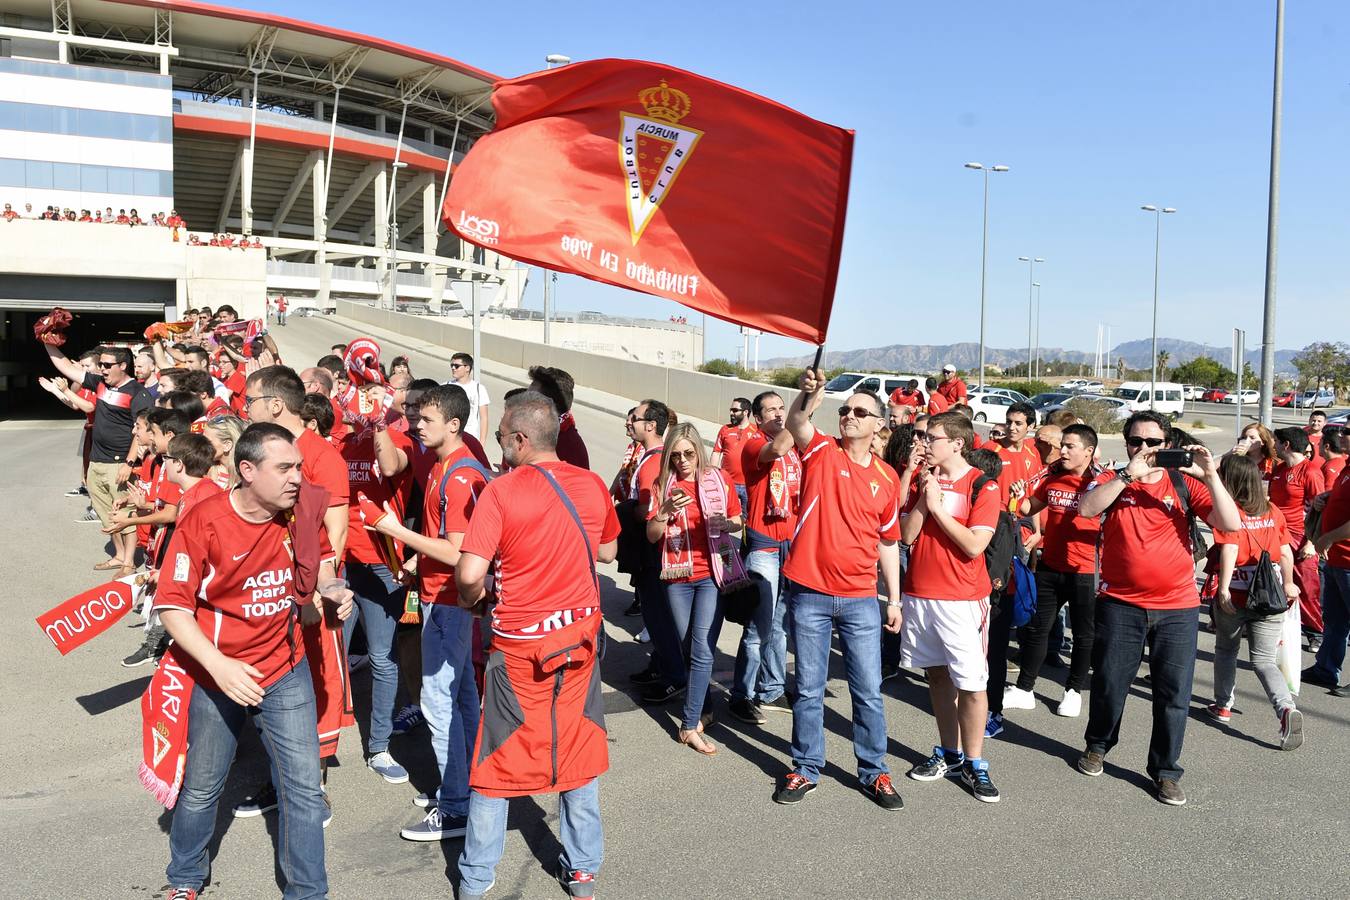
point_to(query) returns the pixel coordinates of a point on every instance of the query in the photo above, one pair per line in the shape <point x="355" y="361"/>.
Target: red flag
<point x="86" y="615"/>
<point x="658" y="180"/>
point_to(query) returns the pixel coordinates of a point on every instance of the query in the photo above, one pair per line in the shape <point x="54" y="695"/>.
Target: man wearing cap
<point x="952" y="387"/>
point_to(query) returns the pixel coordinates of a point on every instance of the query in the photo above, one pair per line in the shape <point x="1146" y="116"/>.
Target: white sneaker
<point x="1070" y="706"/>
<point x="1016" y="698"/>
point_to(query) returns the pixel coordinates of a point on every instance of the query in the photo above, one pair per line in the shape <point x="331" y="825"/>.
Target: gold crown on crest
<point x="665" y="103"/>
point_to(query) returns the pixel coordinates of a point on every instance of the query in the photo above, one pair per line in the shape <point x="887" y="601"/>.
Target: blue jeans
<point x="743" y="493"/>
<point x="450" y="699"/>
<point x="697" y="608"/>
<point x="1335" y="621"/>
<point x="583" y="838"/>
<point x="1119" y="635"/>
<point x="858" y="620"/>
<point x="287" y="721"/>
<point x="379" y="605"/>
<point x="666" y="652"/>
<point x="761" y="661"/>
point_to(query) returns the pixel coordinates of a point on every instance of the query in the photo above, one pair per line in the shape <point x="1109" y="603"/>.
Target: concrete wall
<point x="688" y="393"/>
<point x="216" y="275"/>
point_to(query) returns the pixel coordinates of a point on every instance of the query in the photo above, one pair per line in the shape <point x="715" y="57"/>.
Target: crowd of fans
<point x="131" y="217"/>
<point x="362" y="496"/>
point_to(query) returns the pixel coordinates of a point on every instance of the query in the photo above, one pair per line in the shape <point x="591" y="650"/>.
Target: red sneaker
<point x="1221" y="714"/>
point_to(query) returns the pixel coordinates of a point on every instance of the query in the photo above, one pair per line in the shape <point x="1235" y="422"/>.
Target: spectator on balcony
<point x="122" y="218"/>
<point x="9" y="215"/>
<point x="85" y="216"/>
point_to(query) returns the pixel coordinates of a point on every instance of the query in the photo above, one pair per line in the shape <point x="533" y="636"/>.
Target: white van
<point x="1167" y="397"/>
<point x="846" y="384"/>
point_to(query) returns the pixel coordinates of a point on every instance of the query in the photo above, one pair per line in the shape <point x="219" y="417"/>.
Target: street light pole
<point x="984" y="253"/>
<point x="1272" y="226"/>
<point x="1037" y="286"/>
<point x="1157" y="242"/>
<point x="1031" y="280"/>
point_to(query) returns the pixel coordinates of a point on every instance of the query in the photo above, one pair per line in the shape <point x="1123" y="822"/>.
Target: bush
<point x="726" y="367"/>
<point x="1100" y="416"/>
<point x="1030" y="388"/>
<point x="788" y="376"/>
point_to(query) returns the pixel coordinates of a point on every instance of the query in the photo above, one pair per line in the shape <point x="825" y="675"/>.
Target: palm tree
<point x="1163" y="358"/>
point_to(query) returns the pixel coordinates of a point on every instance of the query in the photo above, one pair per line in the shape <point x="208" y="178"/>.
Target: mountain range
<point x="920" y="358"/>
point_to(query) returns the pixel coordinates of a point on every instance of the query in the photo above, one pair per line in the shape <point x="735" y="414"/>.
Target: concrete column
<point x="319" y="191"/>
<point x="381" y="188"/>
<point x="246" y="203"/>
<point x="430" y="197"/>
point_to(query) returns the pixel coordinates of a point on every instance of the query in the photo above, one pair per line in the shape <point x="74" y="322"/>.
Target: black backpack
<point x="1004" y="546"/>
<point x="1199" y="549"/>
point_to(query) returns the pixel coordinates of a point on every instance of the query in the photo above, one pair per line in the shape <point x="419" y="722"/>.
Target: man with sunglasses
<point x="118" y="398"/>
<point x="461" y="373"/>
<point x="849" y="522"/>
<point x="1146" y="594"/>
<point x="731" y="437"/>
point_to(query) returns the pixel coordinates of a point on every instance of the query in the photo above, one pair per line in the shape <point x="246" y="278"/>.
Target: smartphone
<point x="1173" y="459"/>
<point x="677" y="493"/>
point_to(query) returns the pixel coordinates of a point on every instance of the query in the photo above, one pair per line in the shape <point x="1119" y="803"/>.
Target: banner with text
<point x="86" y="616"/>
<point x="658" y="180"/>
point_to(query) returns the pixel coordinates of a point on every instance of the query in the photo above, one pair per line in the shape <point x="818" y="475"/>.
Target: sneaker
<point x="1315" y="676"/>
<point x="144" y="653"/>
<point x="1071" y="706"/>
<point x="746" y="710"/>
<point x="1016" y="698"/>
<point x="1291" y="728"/>
<point x="261" y="801"/>
<point x="1092" y="763"/>
<point x="408" y="718"/>
<point x="883" y="793"/>
<point x="383" y="764"/>
<point x="89" y="516"/>
<point x="1221" y="714"/>
<point x="1342" y="691"/>
<point x="576" y="882"/>
<point x="888" y="672"/>
<point x="794" y="788"/>
<point x="465" y="895"/>
<point x="327" y="810"/>
<point x="644" y="637"/>
<point x="634" y="608"/>
<point x="1314" y="643"/>
<point x="993" y="726"/>
<point x="1170" y="792"/>
<point x="975" y="775"/>
<point x="939" y="765"/>
<point x="782" y="703"/>
<point x="422" y="801"/>
<point x="436" y="827"/>
<point x="656" y="694"/>
<point x="645" y="677"/>
<point x="180" y="893"/>
<point x="1013" y="667"/>
<point x="82" y="491"/>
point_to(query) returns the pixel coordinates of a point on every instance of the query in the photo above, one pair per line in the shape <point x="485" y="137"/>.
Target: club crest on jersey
<point x="875" y="486"/>
<point x="1168" y="502"/>
<point x="653" y="149"/>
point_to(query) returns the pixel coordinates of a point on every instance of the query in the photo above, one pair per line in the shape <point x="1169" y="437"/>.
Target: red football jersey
<point x="938" y="568"/>
<point x="760" y="480"/>
<point x="1335" y="514"/>
<point x="696" y="533"/>
<point x="1265" y="532"/>
<point x="322" y="465"/>
<point x="436" y="580"/>
<point x="1069" y="542"/>
<point x="237" y="579"/>
<point x="1146" y="544"/>
<point x="1018" y="465"/>
<point x="846" y="508"/>
<point x="729" y="442"/>
<point x="1331" y="471"/>
<point x="363" y="477"/>
<point x="1292" y="488"/>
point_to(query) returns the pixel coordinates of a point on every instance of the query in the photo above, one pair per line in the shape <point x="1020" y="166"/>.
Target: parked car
<point x="1018" y="396"/>
<point x="990" y="406"/>
<point x="1041" y="401"/>
<point x="1248" y="396"/>
<point x="1342" y="419"/>
<point x="1325" y="397"/>
<point x="1089" y="387"/>
<point x="1285" y="399"/>
<point x="1214" y="395"/>
<point x="1073" y="383"/>
<point x="1192" y="392"/>
<point x="1121" y="408"/>
<point x="1166" y="397"/>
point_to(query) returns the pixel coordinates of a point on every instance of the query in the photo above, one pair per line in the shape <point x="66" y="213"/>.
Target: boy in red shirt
<point x="948" y="525"/>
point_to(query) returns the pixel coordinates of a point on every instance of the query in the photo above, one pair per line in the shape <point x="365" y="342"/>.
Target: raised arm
<point x="812" y="384"/>
<point x="70" y="370"/>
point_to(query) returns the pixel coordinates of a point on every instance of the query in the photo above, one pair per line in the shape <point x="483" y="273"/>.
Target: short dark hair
<point x="1147" y="416"/>
<point x="252" y="444"/>
<point x="169" y="421"/>
<point x="185" y="402"/>
<point x="881" y="407"/>
<point x="175" y="373"/>
<point x="92" y="353"/>
<point x="227" y="308"/>
<point x="555" y="384"/>
<point x="986" y="460"/>
<point x="465" y="358"/>
<point x="742" y="402"/>
<point x="121" y="354"/>
<point x="757" y="405"/>
<point x="281" y="382"/>
<point x="534" y="415"/>
<point x="1331" y="437"/>
<point x="930" y="383"/>
<point x="1178" y="438"/>
<point x="423" y="384"/>
<point x="196" y="381"/>
<point x="339" y="350"/>
<point x="333" y="364"/>
<point x="954" y="425"/>
<point x="450" y="399"/>
<point x="1085" y="433"/>
<point x="319" y="410"/>
<point x="1026" y="409"/>
<point x="1318" y="412"/>
<point x="658" y="414"/>
<point x="195" y="452"/>
<point x="1295" y="437"/>
<point x="199" y="352"/>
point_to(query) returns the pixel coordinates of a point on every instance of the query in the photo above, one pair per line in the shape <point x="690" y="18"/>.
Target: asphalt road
<point x="75" y="822"/>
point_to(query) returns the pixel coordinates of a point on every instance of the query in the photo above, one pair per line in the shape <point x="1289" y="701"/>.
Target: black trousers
<point x="1054" y="590"/>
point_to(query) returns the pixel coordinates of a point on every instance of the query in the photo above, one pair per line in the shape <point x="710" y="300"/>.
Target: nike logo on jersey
<point x="240" y="556"/>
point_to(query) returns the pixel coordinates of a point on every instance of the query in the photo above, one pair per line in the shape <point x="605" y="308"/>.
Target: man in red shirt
<point x="953" y="388"/>
<point x="227" y="599"/>
<point x="849" y="522"/>
<point x="1334" y="543"/>
<point x="1147" y="593"/>
<point x="1066" y="572"/>
<point x="449" y="697"/>
<point x="1294" y="482"/>
<point x="773" y="479"/>
<point x="559" y="386"/>
<point x="726" y="453"/>
<point x="938" y="401"/>
<point x="908" y="395"/>
<point x="1317" y="423"/>
<point x="1021" y="460"/>
<point x="1333" y="454"/>
<point x="948" y="524"/>
<point x="544" y="665"/>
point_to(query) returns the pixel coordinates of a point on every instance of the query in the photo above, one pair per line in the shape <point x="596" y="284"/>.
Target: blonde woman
<point x="223" y="433"/>
<point x="693" y="513"/>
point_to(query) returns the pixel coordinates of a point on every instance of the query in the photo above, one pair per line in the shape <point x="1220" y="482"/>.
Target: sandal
<point x="107" y="565"/>
<point x="124" y="571"/>
<point x="697" y="742"/>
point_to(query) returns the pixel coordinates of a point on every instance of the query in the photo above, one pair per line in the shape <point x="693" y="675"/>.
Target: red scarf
<point x="785" y="486"/>
<point x="164" y="729"/>
<point x="677" y="553"/>
<point x="566" y="422"/>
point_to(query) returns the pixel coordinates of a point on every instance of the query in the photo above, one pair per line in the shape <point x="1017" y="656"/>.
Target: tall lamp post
<point x="1157" y="241"/>
<point x="984" y="252"/>
<point x="551" y="277"/>
<point x="1031" y="281"/>
<point x="1272" y="225"/>
<point x="1037" y="336"/>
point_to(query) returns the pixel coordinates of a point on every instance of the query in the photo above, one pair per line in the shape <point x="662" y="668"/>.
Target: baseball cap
<point x="949" y="368"/>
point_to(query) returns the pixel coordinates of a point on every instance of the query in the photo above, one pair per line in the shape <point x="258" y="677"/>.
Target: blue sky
<point x="1096" y="107"/>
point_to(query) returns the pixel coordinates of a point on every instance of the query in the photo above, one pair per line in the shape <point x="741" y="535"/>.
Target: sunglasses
<point x="501" y="435"/>
<point x="858" y="412"/>
<point x="1136" y="442"/>
<point x="684" y="454"/>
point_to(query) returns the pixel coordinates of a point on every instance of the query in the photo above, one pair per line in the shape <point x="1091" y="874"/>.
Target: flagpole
<point x="815" y="366"/>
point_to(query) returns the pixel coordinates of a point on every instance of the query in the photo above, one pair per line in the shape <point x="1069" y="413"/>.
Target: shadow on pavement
<point x="112" y="697"/>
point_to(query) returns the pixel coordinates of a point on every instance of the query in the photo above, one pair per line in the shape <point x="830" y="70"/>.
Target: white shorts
<point x="951" y="633"/>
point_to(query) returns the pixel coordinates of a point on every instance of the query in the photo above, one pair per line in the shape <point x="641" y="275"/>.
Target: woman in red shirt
<point x="694" y="511"/>
<point x="1263" y="528"/>
<point x="1259" y="445"/>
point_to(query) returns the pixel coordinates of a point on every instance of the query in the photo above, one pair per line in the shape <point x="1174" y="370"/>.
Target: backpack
<point x="1199" y="549"/>
<point x="1005" y="548"/>
<point x="467" y="463"/>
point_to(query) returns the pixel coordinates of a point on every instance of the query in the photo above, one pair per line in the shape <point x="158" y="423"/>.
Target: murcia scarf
<point x="677" y="557"/>
<point x="785" y="486"/>
<point x="164" y="719"/>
